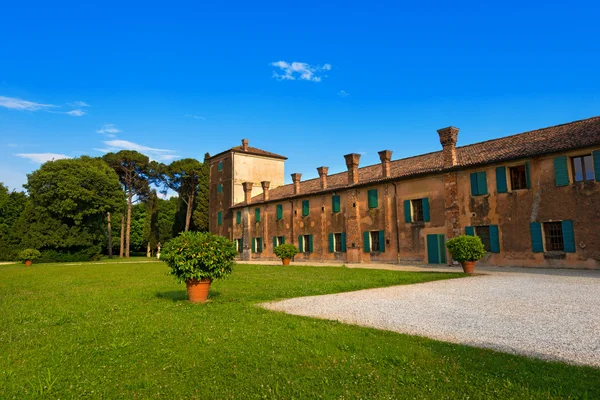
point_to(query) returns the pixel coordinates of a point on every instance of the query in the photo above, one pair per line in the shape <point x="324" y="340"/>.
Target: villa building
<point x="533" y="199"/>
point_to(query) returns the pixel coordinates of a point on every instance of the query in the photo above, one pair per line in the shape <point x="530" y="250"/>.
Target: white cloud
<point x="109" y="130"/>
<point x="76" y="113"/>
<point x="78" y="104"/>
<point x="153" y="153"/>
<point x="23" y="105"/>
<point x="299" y="70"/>
<point x="194" y="116"/>
<point x="343" y="93"/>
<point x="42" y="157"/>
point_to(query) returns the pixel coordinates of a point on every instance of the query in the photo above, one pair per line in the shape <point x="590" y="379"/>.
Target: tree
<point x="69" y="201"/>
<point x="151" y="228"/>
<point x="201" y="211"/>
<point x="183" y="176"/>
<point x="134" y="171"/>
<point x="12" y="205"/>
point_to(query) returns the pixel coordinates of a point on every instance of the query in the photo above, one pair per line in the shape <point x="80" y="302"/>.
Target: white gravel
<point x="546" y="314"/>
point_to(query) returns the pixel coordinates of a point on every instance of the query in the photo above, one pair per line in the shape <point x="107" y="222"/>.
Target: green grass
<point x="125" y="331"/>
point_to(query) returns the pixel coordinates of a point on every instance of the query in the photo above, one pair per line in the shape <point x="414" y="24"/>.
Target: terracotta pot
<point x="198" y="290"/>
<point x="28" y="263"/>
<point x="285" y="261"/>
<point x="468" y="267"/>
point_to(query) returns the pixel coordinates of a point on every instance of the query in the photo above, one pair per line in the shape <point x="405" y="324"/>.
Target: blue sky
<point x="312" y="81"/>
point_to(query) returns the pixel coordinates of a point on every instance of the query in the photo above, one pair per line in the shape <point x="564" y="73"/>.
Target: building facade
<point x="533" y="198"/>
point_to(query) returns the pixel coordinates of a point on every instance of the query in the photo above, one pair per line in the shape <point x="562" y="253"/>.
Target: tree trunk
<point x="109" y="236"/>
<point x="128" y="234"/>
<point x="190" y="210"/>
<point x="148" y="251"/>
<point x="122" y="247"/>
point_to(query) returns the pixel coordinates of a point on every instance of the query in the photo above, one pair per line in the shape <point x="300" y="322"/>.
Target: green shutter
<point x="596" y="157"/>
<point x="494" y="239"/>
<point x="501" y="185"/>
<point x="568" y="236"/>
<point x="254" y="245"/>
<point x="259" y="245"/>
<point x="283" y="240"/>
<point x="433" y="256"/>
<point x="274" y="242"/>
<point x="527" y="176"/>
<point x="426" y="216"/>
<point x="382" y="241"/>
<point x="561" y="172"/>
<point x="366" y="242"/>
<point x="335" y="203"/>
<point x="305" y="208"/>
<point x="219" y="218"/>
<point x="310" y="243"/>
<point x="535" y="229"/>
<point x="344" y="242"/>
<point x="219" y="188"/>
<point x="331" y="244"/>
<point x="300" y="244"/>
<point x="257" y="215"/>
<point x="482" y="183"/>
<point x="238" y="217"/>
<point x="474" y="190"/>
<point x="469" y="231"/>
<point x="372" y="196"/>
<point x="279" y="211"/>
<point x="220" y="166"/>
<point x="407" y="212"/>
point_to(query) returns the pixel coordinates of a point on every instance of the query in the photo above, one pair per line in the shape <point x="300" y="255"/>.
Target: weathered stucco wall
<point x="252" y="168"/>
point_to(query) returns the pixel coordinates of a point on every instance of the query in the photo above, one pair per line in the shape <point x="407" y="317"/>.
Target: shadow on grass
<point x="181" y="295"/>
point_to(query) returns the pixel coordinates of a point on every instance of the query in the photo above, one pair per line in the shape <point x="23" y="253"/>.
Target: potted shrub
<point x="285" y="251"/>
<point x="197" y="258"/>
<point x="28" y="255"/>
<point x="467" y="250"/>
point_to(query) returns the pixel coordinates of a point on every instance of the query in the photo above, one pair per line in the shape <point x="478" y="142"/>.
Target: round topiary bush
<point x="199" y="256"/>
<point x="285" y="250"/>
<point x="29" y="255"/>
<point x="466" y="248"/>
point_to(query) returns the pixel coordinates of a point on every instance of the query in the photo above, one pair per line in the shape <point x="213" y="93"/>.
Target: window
<point x="553" y="236"/>
<point x="305" y="208"/>
<point x="278" y="240"/>
<point x="257" y="215"/>
<point x="279" y="211"/>
<point x="219" y="218"/>
<point x="478" y="183"/>
<point x="518" y="177"/>
<point x="238" y="217"/>
<point x="372" y="198"/>
<point x="220" y="166"/>
<point x="257" y="245"/>
<point x="335" y="203"/>
<point x="219" y="188"/>
<point x="239" y="245"/>
<point x="417" y="210"/>
<point x="583" y="168"/>
<point x="374" y="241"/>
<point x="337" y="239"/>
<point x="484" y="234"/>
<point x="305" y="243"/>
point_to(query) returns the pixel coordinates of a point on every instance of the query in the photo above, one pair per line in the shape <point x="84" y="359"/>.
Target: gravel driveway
<point x="549" y="314"/>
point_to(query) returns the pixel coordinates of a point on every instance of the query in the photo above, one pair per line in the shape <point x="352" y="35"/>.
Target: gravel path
<point x="545" y="314"/>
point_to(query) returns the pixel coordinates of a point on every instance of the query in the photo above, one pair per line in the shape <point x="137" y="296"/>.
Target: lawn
<point x="125" y="331"/>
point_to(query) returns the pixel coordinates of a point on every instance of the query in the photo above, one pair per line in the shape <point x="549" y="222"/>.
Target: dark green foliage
<point x="197" y="255"/>
<point x="12" y="205"/>
<point x="200" y="216"/>
<point x="285" y="250"/>
<point x="124" y="331"/>
<point x="151" y="228"/>
<point x="138" y="221"/>
<point x="166" y="219"/>
<point x="466" y="248"/>
<point x="90" y="253"/>
<point x="29" y="255"/>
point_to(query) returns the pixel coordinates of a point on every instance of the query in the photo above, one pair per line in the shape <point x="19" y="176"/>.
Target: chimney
<point x="247" y="191"/>
<point x="448" y="138"/>
<point x="296" y="178"/>
<point x="265" y="187"/>
<point x="245" y="144"/>
<point x="323" y="176"/>
<point x="352" y="161"/>
<point x="385" y="156"/>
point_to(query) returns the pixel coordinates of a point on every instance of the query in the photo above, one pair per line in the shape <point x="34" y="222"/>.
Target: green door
<point x="436" y="249"/>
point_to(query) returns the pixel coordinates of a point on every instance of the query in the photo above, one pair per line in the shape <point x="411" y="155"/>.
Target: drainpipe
<point x="397" y="221"/>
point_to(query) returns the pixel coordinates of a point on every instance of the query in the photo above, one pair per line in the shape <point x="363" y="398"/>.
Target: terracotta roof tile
<point x="251" y="150"/>
<point x="573" y="135"/>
